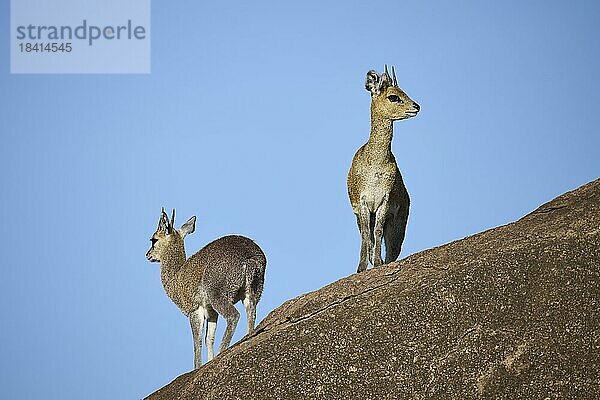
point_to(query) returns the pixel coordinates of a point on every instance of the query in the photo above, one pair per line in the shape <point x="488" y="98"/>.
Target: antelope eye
<point x="394" y="99"/>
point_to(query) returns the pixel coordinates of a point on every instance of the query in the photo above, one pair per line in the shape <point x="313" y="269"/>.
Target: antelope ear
<point x="188" y="227"/>
<point x="161" y="220"/>
<point x="164" y="223"/>
<point x="372" y="82"/>
<point x="376" y="83"/>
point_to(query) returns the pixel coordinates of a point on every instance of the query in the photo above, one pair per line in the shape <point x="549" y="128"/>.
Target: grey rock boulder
<point x="510" y="313"/>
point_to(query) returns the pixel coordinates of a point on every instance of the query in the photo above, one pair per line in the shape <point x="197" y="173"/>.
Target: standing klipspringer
<point x="223" y="272"/>
<point x="377" y="193"/>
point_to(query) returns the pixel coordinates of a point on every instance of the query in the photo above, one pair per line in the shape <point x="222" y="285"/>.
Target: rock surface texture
<point x="510" y="313"/>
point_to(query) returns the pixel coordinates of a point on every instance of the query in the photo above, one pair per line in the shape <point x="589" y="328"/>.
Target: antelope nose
<point x="416" y="106"/>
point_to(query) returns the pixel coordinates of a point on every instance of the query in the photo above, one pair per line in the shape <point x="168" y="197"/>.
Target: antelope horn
<point x="173" y="218"/>
<point x="394" y="74"/>
<point x="386" y="71"/>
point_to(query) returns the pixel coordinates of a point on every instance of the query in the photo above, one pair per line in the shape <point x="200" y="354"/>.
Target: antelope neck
<point x="170" y="265"/>
<point x="380" y="139"/>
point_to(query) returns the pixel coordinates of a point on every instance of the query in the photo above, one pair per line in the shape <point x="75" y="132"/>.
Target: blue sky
<point x="249" y="121"/>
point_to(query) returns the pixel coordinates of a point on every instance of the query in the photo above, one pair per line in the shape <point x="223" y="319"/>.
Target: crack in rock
<point x="290" y="321"/>
<point x="549" y="209"/>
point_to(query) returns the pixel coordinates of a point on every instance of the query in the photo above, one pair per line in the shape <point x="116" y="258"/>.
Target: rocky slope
<point x="510" y="313"/>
